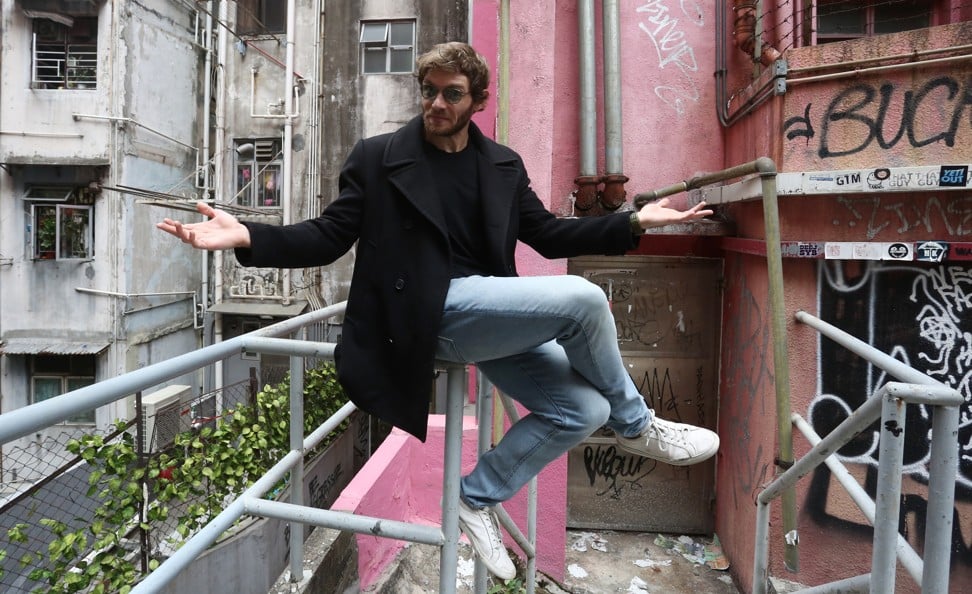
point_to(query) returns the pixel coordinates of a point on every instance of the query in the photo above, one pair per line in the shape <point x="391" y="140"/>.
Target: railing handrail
<point x="887" y="404"/>
<point x="24" y="421"/>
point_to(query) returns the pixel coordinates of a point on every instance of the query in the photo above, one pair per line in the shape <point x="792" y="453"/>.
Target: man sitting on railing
<point x="436" y="209"/>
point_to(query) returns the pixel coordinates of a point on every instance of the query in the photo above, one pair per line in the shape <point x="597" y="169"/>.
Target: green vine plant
<point x="191" y="482"/>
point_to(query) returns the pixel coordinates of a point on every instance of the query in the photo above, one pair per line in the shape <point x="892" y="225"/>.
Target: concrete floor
<point x="642" y="563"/>
<point x="598" y="562"/>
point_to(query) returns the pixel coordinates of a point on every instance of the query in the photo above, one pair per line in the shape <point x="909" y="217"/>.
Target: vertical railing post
<point x="451" y="470"/>
<point x="888" y="497"/>
<point x="297" y="472"/>
<point x="484" y="419"/>
<point x="943" y="469"/>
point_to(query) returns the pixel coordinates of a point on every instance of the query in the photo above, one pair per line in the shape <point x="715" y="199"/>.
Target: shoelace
<point x="491" y="529"/>
<point x="672" y="434"/>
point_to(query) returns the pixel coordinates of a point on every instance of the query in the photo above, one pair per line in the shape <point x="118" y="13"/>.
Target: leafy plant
<point x="514" y="586"/>
<point x="192" y="480"/>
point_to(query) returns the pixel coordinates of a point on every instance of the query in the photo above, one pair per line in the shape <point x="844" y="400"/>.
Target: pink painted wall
<point x="671" y="132"/>
<point x="667" y="60"/>
<point x="848" y="123"/>
<point x="403" y="481"/>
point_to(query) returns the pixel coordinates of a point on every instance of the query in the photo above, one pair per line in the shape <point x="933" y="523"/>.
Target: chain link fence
<point x="31" y="512"/>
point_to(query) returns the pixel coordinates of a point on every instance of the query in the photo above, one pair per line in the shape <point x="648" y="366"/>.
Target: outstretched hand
<point x="220" y="231"/>
<point x="658" y="214"/>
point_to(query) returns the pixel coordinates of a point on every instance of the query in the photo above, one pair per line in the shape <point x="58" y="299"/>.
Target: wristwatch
<point x="635" y="224"/>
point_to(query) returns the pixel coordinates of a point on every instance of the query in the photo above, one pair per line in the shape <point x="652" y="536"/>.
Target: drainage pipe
<point x="503" y="79"/>
<point x="613" y="194"/>
<point x="585" y="195"/>
<point x="288" y="139"/>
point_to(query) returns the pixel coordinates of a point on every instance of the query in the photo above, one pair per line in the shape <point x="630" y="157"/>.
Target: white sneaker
<point x="482" y="530"/>
<point x="674" y="443"/>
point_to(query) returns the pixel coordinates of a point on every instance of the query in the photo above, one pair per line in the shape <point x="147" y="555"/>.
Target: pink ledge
<point x="403" y="481"/>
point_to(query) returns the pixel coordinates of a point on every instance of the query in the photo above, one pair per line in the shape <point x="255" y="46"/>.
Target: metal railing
<point x="888" y="404"/>
<point x="24" y="421"/>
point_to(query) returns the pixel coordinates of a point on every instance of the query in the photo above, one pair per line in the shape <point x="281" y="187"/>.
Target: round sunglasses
<point x="452" y="95"/>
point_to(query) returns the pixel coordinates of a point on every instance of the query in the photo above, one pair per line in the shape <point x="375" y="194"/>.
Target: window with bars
<point x="258" y="173"/>
<point x="840" y="20"/>
<point x="259" y="17"/>
<point x="387" y="47"/>
<point x="53" y="375"/>
<point x="65" y="54"/>
<point x="60" y="223"/>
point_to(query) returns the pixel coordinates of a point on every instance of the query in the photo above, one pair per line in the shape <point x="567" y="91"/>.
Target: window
<point x="840" y="20"/>
<point x="60" y="223"/>
<point x="53" y="375"/>
<point x="65" y="56"/>
<point x="259" y="17"/>
<point x="258" y="173"/>
<point x="387" y="47"/>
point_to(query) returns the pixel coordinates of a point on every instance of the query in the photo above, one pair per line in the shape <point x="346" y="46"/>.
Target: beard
<point x="435" y="128"/>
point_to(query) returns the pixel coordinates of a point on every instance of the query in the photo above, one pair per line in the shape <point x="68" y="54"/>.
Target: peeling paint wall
<point x="134" y="129"/>
<point x="855" y="127"/>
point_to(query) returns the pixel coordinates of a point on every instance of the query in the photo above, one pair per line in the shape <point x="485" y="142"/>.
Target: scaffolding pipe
<point x="297" y="472"/>
<point x="781" y="362"/>
<point x="888" y="493"/>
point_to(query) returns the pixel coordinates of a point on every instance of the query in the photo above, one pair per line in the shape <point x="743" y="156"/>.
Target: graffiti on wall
<point x="664" y="22"/>
<point x="884" y="213"/>
<point x="922" y="316"/>
<point x="748" y="371"/>
<point x="862" y="116"/>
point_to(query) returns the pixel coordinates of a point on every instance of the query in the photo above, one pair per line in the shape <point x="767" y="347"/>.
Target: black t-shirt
<point x="456" y="178"/>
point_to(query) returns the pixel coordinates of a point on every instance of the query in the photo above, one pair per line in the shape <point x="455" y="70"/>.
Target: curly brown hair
<point x="456" y="56"/>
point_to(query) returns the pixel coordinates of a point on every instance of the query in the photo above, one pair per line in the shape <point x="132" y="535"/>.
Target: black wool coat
<point x="389" y="205"/>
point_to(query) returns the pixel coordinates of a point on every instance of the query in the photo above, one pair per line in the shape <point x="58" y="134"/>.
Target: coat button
<point x="399" y="284"/>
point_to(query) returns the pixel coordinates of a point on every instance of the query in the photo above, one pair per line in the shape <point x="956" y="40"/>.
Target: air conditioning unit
<point x="161" y="416"/>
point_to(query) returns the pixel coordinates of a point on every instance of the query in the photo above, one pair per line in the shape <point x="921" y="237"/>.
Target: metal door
<point x="668" y="316"/>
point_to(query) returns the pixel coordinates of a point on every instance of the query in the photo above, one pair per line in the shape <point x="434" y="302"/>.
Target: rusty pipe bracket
<point x="613" y="195"/>
<point x="586" y="193"/>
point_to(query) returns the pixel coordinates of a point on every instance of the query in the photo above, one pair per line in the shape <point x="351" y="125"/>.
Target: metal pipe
<point x="588" y="89"/>
<point x="857" y="346"/>
<point x="613" y="193"/>
<point x="23" y="421"/>
<point x="220" y="173"/>
<point x="705" y="179"/>
<point x="503" y="78"/>
<point x="486" y="421"/>
<point x="126" y="120"/>
<point x="859" y="71"/>
<point x="297" y="472"/>
<point x="888" y="493"/>
<point x="910" y="56"/>
<point x="451" y="471"/>
<point x="858" y="583"/>
<point x="345" y="521"/>
<point x="611" y="41"/>
<point x="781" y="364"/>
<point x="905" y="553"/>
<point x="288" y="139"/>
<point x="943" y="468"/>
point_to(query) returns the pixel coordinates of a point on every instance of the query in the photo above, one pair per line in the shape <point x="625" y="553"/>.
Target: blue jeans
<point x="550" y="343"/>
